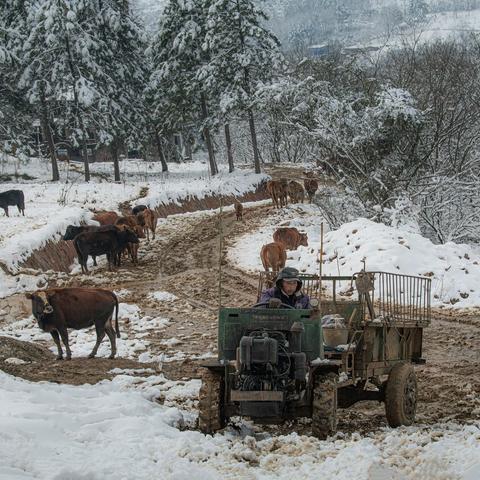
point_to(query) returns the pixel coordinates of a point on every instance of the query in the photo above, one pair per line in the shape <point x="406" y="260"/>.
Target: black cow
<point x="73" y="230"/>
<point x="12" y="197"/>
<point x="138" y="209"/>
<point x="108" y="242"/>
<point x="57" y="309"/>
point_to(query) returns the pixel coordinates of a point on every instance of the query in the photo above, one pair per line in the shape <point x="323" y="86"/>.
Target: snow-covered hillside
<point x="453" y="268"/>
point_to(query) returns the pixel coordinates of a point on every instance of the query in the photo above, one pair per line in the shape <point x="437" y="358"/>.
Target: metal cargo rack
<point x="392" y="298"/>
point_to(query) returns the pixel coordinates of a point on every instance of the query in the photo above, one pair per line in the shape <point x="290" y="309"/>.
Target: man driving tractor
<point x="287" y="289"/>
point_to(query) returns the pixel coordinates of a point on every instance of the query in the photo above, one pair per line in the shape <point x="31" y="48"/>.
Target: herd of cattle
<point x="280" y="190"/>
<point x="58" y="309"/>
<point x="115" y="236"/>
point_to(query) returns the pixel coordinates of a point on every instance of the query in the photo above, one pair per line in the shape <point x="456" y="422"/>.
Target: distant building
<point x="318" y="51"/>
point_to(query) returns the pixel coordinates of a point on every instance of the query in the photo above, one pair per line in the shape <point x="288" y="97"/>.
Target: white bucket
<point x="332" y="337"/>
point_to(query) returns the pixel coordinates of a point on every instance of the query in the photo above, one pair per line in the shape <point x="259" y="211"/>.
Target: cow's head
<point x="40" y="304"/>
<point x="128" y="235"/>
<point x="303" y="240"/>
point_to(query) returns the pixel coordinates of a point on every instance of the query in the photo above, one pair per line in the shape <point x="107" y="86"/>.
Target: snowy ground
<point x="137" y="427"/>
<point x="453" y="268"/>
<point x="113" y="430"/>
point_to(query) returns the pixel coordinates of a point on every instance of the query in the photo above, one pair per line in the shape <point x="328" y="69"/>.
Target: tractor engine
<point x="271" y="361"/>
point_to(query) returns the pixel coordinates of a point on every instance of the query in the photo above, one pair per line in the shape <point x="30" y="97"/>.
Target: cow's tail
<point x="117" y="329"/>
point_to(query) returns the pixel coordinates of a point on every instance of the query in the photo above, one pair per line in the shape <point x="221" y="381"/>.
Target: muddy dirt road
<point x="184" y="260"/>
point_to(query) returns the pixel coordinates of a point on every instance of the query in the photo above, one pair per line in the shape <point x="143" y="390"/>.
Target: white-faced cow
<point x="58" y="309"/>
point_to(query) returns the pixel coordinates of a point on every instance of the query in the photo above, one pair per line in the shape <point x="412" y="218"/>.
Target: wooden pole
<point x="220" y="249"/>
<point x="321" y="266"/>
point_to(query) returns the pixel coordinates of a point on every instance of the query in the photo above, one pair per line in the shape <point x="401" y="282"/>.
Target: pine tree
<point x="87" y="55"/>
<point x="177" y="53"/>
<point x="121" y="111"/>
<point x="242" y="55"/>
<point x="15" y="115"/>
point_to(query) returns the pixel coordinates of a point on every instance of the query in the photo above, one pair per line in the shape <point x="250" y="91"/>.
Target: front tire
<point x="401" y="395"/>
<point x="211" y="417"/>
<point x="324" y="406"/>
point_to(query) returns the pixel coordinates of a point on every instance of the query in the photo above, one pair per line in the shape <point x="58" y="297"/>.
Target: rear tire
<point x="401" y="395"/>
<point x="324" y="406"/>
<point x="211" y="415"/>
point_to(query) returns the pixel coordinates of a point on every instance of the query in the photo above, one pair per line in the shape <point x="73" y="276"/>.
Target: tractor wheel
<point x="324" y="406"/>
<point x="401" y="395"/>
<point x="211" y="416"/>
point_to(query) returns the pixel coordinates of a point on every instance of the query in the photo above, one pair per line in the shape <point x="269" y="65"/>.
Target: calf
<point x="238" y="210"/>
<point x="274" y="256"/>
<point x="138" y="209"/>
<point x="132" y="248"/>
<point x="57" y="309"/>
<point x="148" y="220"/>
<point x="105" y="218"/>
<point x="110" y="243"/>
<point x="12" y="197"/>
<point x="290" y="238"/>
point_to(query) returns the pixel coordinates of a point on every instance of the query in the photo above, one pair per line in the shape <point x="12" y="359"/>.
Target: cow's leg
<point x="6" y="211"/>
<point x="111" y="336"/>
<point x="100" y="328"/>
<point x="56" y="339"/>
<point x="94" y="260"/>
<point x="110" y="259"/>
<point x="64" y="334"/>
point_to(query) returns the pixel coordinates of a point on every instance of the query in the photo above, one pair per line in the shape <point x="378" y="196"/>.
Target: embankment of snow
<point x="453" y="268"/>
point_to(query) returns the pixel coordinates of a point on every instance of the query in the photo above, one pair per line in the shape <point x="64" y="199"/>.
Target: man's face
<point x="289" y="286"/>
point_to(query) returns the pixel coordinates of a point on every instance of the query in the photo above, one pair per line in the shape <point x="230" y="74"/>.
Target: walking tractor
<point x="277" y="363"/>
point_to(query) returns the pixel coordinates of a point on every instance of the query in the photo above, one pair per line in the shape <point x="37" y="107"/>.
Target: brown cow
<point x="272" y="189"/>
<point x="311" y="186"/>
<point x="283" y="191"/>
<point x="57" y="309"/>
<point x="148" y="220"/>
<point x="130" y="221"/>
<point x="296" y="192"/>
<point x="277" y="189"/>
<point x="105" y="218"/>
<point x="274" y="256"/>
<point x="290" y="238"/>
<point x="238" y="210"/>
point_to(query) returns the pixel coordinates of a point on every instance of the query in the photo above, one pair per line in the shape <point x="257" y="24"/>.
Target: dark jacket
<point x="297" y="300"/>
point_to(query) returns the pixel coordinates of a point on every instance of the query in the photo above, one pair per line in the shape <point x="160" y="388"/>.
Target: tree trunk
<point x="86" y="165"/>
<point x="253" y="133"/>
<point x="158" y="141"/>
<point x="47" y="133"/>
<point x="208" y="140"/>
<point x="116" y="166"/>
<point x="228" y="141"/>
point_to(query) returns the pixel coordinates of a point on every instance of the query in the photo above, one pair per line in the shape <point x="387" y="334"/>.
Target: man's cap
<point x="289" y="274"/>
